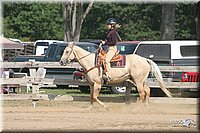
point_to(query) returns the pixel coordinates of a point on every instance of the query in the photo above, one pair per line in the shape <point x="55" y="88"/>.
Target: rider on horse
<point x="111" y="41"/>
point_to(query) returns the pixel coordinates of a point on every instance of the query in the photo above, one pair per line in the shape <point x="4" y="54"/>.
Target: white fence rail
<point x="33" y="64"/>
<point x="40" y="81"/>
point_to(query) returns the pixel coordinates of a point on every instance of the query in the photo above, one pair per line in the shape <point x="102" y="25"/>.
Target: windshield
<point x="90" y="48"/>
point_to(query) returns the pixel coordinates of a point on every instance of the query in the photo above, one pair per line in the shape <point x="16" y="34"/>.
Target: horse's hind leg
<point x="141" y="92"/>
<point x="147" y="91"/>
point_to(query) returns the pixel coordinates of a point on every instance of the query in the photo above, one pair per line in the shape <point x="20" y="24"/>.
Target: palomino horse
<point x="136" y="71"/>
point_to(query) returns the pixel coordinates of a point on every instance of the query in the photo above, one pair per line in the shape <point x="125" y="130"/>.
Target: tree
<point x="198" y="21"/>
<point x="167" y="22"/>
<point x="138" y="21"/>
<point x="185" y="25"/>
<point x="74" y="15"/>
<point x="33" y="21"/>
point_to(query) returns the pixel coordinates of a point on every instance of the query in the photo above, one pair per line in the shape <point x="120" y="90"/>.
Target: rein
<point x="76" y="56"/>
<point x="87" y="54"/>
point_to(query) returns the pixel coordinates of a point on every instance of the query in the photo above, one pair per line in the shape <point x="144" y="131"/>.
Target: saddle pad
<point x="120" y="63"/>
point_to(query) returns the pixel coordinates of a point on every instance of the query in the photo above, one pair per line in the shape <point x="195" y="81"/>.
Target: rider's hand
<point x="103" y="42"/>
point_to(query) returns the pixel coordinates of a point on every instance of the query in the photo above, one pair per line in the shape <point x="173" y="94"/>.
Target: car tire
<point x="118" y="89"/>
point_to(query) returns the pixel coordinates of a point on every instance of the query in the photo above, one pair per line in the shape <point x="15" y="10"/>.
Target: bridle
<point x="80" y="58"/>
<point x="70" y="52"/>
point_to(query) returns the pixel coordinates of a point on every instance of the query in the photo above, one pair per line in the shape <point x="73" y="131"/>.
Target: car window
<point x="52" y="51"/>
<point x="41" y="44"/>
<point x="190" y="50"/>
<point x="90" y="48"/>
<point x="60" y="52"/>
<point x="126" y="48"/>
<point x="154" y="51"/>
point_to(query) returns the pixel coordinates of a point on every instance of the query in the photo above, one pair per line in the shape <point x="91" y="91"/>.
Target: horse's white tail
<point x="156" y="72"/>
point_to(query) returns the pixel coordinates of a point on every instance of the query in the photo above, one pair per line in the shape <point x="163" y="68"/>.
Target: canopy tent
<point x="7" y="44"/>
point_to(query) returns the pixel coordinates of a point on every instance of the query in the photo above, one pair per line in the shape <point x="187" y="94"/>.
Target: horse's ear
<point x="71" y="44"/>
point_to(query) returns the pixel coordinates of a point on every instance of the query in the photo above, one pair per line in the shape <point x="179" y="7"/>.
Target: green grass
<point x="73" y="91"/>
<point x="59" y="91"/>
<point x="77" y="92"/>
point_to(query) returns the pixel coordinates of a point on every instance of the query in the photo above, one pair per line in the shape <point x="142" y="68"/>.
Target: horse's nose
<point x="61" y="63"/>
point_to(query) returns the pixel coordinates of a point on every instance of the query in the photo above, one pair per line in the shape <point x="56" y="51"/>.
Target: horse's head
<point x="67" y="54"/>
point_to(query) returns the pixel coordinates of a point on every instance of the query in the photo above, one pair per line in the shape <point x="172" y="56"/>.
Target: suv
<point x="172" y="53"/>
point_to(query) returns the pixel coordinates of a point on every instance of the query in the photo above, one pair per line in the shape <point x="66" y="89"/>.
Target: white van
<point x="42" y="45"/>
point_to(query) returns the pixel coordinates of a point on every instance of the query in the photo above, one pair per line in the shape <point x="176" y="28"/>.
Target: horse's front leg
<point x="96" y="91"/>
<point x="91" y="96"/>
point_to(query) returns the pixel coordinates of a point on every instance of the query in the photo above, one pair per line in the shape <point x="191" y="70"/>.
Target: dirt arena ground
<point x="74" y="116"/>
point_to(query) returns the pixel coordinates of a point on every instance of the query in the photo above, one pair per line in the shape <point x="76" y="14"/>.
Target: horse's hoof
<point x="107" y="109"/>
<point x="89" y="108"/>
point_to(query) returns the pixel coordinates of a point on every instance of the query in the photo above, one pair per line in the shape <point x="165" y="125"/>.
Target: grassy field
<point x="77" y="92"/>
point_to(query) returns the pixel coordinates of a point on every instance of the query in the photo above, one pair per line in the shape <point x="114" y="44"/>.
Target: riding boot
<point x="106" y="78"/>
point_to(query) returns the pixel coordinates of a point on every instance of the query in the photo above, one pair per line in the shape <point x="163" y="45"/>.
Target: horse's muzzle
<point x="62" y="63"/>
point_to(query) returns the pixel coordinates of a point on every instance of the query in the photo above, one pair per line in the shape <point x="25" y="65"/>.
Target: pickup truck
<point x="53" y="54"/>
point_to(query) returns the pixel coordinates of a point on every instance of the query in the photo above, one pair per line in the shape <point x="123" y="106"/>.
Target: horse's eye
<point x="67" y="51"/>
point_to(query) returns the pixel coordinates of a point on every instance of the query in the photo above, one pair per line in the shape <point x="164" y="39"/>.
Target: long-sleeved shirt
<point x="112" y="38"/>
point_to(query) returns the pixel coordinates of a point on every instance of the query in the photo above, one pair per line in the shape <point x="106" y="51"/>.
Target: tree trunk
<point x="167" y="24"/>
<point x="198" y="21"/>
<point x="74" y="15"/>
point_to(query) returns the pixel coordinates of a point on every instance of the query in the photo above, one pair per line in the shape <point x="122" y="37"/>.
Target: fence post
<point x="35" y="88"/>
<point x="128" y="93"/>
<point x="40" y="74"/>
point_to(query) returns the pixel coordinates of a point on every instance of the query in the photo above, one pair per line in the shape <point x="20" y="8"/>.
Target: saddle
<point x="117" y="56"/>
<point x="118" y="60"/>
